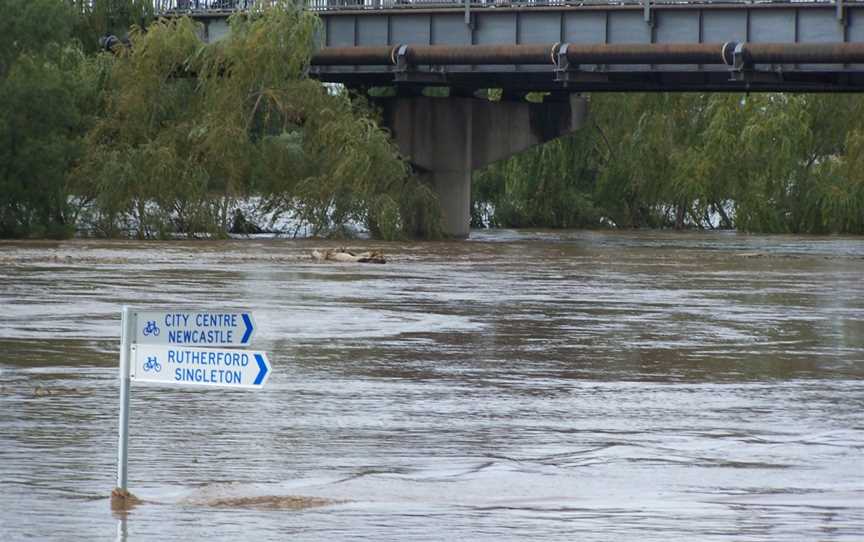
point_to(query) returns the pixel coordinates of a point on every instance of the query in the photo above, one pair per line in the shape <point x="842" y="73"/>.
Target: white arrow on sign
<point x="194" y="328"/>
<point x="226" y="368"/>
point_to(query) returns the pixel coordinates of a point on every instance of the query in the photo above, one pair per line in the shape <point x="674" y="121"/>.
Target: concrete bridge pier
<point x="446" y="139"/>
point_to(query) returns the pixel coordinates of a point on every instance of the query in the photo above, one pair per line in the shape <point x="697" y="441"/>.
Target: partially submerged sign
<point x="194" y="328"/>
<point x="185" y="347"/>
<point x="226" y="368"/>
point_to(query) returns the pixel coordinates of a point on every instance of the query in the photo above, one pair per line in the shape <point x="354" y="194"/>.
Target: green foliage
<point x="29" y="27"/>
<point x="549" y="186"/>
<point x="98" y="18"/>
<point x="47" y="98"/>
<point x="137" y="170"/>
<point x="191" y="128"/>
<point x="763" y="162"/>
<point x="436" y="92"/>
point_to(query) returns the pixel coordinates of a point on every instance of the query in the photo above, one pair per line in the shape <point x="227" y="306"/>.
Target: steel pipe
<point x="647" y="53"/>
<point x="635" y="53"/>
<point x="384" y="55"/>
<point x="481" y="54"/>
<point x="448" y="55"/>
<point x="804" y="53"/>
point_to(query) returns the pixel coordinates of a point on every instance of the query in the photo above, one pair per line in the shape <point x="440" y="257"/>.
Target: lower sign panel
<point x="224" y="368"/>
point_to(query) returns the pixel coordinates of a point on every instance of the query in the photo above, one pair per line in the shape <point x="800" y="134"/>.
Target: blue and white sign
<point x="194" y="328"/>
<point x="184" y="347"/>
<point x="225" y="367"/>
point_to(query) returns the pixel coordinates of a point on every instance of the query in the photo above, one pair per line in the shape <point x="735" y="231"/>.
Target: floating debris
<point x="345" y="255"/>
<point x="42" y="391"/>
<point x="122" y="500"/>
<point x="271" y="502"/>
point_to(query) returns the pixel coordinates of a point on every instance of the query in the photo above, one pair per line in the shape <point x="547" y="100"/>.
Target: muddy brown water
<point x="555" y="385"/>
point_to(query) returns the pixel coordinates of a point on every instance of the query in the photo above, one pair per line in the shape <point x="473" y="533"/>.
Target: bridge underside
<point x="462" y="83"/>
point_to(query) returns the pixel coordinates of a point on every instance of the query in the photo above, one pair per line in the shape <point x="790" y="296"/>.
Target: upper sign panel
<point x="194" y="328"/>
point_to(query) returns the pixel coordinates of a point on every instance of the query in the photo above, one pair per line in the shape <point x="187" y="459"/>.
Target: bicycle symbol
<point x="151" y="329"/>
<point x="152" y="364"/>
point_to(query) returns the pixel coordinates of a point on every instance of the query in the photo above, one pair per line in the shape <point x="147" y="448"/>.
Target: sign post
<point x="184" y="347"/>
<point x="127" y="324"/>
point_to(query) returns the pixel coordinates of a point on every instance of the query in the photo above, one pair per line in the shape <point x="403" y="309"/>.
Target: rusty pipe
<point x="481" y="54"/>
<point x="645" y="53"/>
<point x="443" y="55"/>
<point x="446" y="55"/>
<point x="803" y="53"/>
<point x="649" y="53"/>
<point x="384" y="55"/>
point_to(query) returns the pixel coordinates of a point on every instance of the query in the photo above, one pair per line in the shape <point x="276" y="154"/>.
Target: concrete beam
<point x="446" y="139"/>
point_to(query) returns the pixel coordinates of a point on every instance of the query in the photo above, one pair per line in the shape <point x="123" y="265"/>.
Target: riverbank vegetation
<point x="166" y="136"/>
<point x="762" y="162"/>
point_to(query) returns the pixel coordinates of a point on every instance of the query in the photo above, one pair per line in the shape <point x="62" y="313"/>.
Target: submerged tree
<point x="763" y="162"/>
<point x="190" y="128"/>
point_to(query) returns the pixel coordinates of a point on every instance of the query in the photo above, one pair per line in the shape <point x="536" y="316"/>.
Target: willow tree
<point x="99" y="18"/>
<point x="790" y="161"/>
<point x="191" y="128"/>
<point x="550" y="185"/>
<point x="765" y="162"/>
<point x="841" y="198"/>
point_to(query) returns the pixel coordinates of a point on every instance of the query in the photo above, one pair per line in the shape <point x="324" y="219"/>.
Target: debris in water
<point x="122" y="500"/>
<point x="42" y="391"/>
<point x="270" y="502"/>
<point x="345" y="255"/>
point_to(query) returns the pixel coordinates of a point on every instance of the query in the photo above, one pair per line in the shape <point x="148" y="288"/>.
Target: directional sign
<point x="225" y="367"/>
<point x="194" y="328"/>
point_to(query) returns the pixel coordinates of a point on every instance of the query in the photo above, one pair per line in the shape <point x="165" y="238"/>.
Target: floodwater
<point x="554" y="385"/>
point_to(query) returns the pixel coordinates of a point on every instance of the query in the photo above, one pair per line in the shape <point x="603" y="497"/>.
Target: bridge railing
<point x="163" y="6"/>
<point x="327" y="5"/>
<point x="216" y="6"/>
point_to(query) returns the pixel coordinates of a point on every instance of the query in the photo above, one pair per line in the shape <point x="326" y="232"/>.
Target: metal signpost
<point x="184" y="348"/>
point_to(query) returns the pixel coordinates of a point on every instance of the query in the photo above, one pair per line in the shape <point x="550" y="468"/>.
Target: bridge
<point x="563" y="48"/>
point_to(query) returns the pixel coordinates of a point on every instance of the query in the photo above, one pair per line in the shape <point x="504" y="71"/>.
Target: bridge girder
<point x="547" y="24"/>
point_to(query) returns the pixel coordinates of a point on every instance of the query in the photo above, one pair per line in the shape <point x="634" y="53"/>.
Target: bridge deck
<point x="390" y="23"/>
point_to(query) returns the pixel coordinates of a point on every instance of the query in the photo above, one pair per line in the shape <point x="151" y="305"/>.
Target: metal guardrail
<point x="164" y="6"/>
<point x="223" y="6"/>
